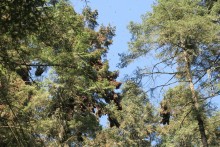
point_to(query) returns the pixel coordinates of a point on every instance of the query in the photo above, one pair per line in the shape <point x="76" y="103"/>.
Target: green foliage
<point x="169" y="25"/>
<point x="183" y="129"/>
<point x="16" y="115"/>
<point x="183" y="35"/>
<point x="63" y="108"/>
<point x="91" y="17"/>
<point x="136" y="119"/>
<point x="55" y="83"/>
<point x="20" y="18"/>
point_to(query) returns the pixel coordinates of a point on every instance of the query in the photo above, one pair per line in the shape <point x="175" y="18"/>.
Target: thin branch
<point x="47" y="65"/>
<point x="163" y="85"/>
<point x="11" y="127"/>
<point x="211" y="96"/>
<point x="181" y="124"/>
<point x="168" y="82"/>
<point x="161" y="62"/>
<point x="15" y="135"/>
<point x="171" y="73"/>
<point x="200" y="78"/>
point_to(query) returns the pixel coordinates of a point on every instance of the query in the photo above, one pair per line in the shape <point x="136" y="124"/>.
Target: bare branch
<point x="164" y="85"/>
<point x="170" y="73"/>
<point x="168" y="82"/>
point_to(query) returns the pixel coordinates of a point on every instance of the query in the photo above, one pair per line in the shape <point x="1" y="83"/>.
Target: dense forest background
<point x="56" y="84"/>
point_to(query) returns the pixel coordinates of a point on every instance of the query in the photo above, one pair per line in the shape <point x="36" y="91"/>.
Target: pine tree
<point x="137" y="121"/>
<point x="182" y="33"/>
<point x="61" y="108"/>
<point x="183" y="130"/>
<point x="19" y="20"/>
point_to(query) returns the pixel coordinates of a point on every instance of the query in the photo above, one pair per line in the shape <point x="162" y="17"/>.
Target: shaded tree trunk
<point x="195" y="101"/>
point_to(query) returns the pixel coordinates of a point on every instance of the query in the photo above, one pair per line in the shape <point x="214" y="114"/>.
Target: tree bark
<point x="195" y="101"/>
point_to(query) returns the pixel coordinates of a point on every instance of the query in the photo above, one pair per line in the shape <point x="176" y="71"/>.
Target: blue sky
<point x="119" y="13"/>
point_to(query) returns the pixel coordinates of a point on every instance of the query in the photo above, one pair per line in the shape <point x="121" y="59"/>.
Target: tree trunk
<point x="195" y="101"/>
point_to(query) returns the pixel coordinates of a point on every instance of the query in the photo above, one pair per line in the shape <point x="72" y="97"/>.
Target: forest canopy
<point x="56" y="84"/>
